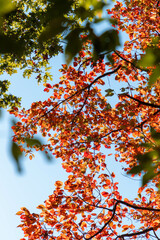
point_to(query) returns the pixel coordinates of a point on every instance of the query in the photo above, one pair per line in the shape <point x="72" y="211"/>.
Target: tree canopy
<point x="80" y="123"/>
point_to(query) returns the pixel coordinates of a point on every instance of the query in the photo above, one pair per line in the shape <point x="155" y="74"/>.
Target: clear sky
<point x="37" y="181"/>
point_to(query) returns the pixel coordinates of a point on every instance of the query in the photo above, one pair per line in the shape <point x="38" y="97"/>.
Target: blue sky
<point x="37" y="182"/>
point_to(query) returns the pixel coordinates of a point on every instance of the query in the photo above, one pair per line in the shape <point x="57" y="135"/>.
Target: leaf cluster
<point x="7" y="100"/>
<point x="149" y="161"/>
<point x="150" y="59"/>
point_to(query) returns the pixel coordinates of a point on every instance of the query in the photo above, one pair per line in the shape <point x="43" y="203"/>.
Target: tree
<point x="78" y="120"/>
<point x="40" y="27"/>
<point x="33" y="32"/>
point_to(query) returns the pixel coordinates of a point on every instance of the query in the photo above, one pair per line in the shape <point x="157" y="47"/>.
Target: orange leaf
<point x="104" y="194"/>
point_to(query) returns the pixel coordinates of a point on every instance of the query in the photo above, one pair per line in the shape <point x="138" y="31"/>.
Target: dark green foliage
<point x="151" y="58"/>
<point x="16" y="154"/>
<point x="74" y="44"/>
<point x="6" y="99"/>
<point x="109" y="92"/>
<point x="149" y="161"/>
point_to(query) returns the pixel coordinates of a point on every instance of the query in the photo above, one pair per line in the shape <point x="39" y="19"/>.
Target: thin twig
<point x="81" y="90"/>
<point x="79" y="111"/>
<point x="126" y="60"/>
<point x="113" y="214"/>
<point x="100" y="230"/>
<point x="156" y="234"/>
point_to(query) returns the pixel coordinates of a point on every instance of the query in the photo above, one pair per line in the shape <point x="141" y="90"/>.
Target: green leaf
<point x="6" y="6"/>
<point x="32" y="142"/>
<point x="148" y="176"/>
<point x="110" y="59"/>
<point x="113" y="21"/>
<point x="48" y="156"/>
<point x="155" y="75"/>
<point x="36" y="142"/>
<point x="74" y="44"/>
<point x="82" y="13"/>
<point x="145" y="160"/>
<point x="135" y="169"/>
<point x="123" y="89"/>
<point x="16" y="154"/>
<point x="154" y="134"/>
<point x="147" y="145"/>
<point x="92" y="4"/>
<point x="147" y="59"/>
<point x="55" y="19"/>
<point x="58" y="8"/>
<point x="107" y="41"/>
<point x="109" y="92"/>
<point x="108" y="107"/>
<point x="54" y="27"/>
<point x="1" y="113"/>
<point x="10" y="44"/>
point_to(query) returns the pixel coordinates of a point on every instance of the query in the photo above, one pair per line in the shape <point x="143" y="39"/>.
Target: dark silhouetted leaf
<point x="32" y="142"/>
<point x="148" y="176"/>
<point x="109" y="92"/>
<point x="155" y="135"/>
<point x="74" y="44"/>
<point x="147" y="59"/>
<point x="154" y="76"/>
<point x="16" y="154"/>
<point x="10" y="44"/>
<point x="136" y="169"/>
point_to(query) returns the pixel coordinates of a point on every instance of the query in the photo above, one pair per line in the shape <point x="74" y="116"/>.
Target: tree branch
<point x="100" y="230"/>
<point x="142" y="123"/>
<point x="81" y="90"/>
<point x="143" y="103"/>
<point x="134" y="234"/>
<point x="156" y="234"/>
<point x="113" y="214"/>
<point x="79" y="111"/>
<point x="137" y="207"/>
<point x="96" y="206"/>
<point x="126" y="60"/>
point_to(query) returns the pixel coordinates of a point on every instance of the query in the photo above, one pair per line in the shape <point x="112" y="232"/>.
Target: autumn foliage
<point x="81" y="124"/>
